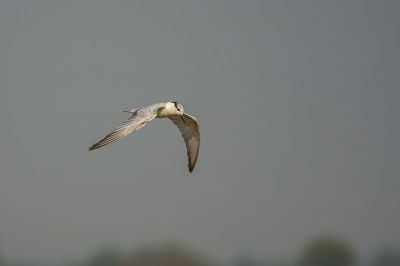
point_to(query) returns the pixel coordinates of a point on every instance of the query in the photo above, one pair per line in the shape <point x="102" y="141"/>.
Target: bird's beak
<point x="183" y="119"/>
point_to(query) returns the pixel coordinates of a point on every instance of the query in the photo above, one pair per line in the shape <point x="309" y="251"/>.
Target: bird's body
<point x="186" y="124"/>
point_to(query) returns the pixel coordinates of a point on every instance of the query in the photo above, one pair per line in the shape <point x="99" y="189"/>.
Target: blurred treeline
<point x="323" y="251"/>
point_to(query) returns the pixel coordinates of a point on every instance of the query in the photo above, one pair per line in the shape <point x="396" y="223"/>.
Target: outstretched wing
<point x="136" y="121"/>
<point x="191" y="134"/>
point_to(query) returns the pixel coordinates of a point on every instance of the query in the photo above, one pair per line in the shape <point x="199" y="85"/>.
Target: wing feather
<point x="191" y="134"/>
<point x="135" y="122"/>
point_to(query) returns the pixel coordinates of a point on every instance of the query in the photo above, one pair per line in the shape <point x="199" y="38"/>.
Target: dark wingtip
<point x="93" y="147"/>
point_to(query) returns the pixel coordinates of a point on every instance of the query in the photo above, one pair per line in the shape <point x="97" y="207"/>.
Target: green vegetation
<point x="328" y="252"/>
<point x="324" y="251"/>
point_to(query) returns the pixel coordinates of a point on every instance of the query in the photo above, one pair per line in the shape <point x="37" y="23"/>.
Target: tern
<point x="187" y="125"/>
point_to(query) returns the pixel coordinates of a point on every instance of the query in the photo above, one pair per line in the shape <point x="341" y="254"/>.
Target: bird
<point x="187" y="125"/>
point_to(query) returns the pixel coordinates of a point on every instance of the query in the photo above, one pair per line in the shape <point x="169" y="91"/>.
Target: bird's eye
<point x="178" y="109"/>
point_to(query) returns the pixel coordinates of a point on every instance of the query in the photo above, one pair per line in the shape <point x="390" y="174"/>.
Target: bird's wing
<point x="191" y="134"/>
<point x="136" y="121"/>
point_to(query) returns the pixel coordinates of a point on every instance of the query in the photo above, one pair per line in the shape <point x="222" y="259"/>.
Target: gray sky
<point x="298" y="103"/>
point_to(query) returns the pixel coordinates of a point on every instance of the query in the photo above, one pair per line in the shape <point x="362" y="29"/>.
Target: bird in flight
<point x="186" y="124"/>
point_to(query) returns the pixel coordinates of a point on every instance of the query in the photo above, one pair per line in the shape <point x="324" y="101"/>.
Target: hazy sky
<point x="298" y="103"/>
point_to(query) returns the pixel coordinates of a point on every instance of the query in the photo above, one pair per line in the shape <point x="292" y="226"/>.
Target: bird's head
<point x="177" y="109"/>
